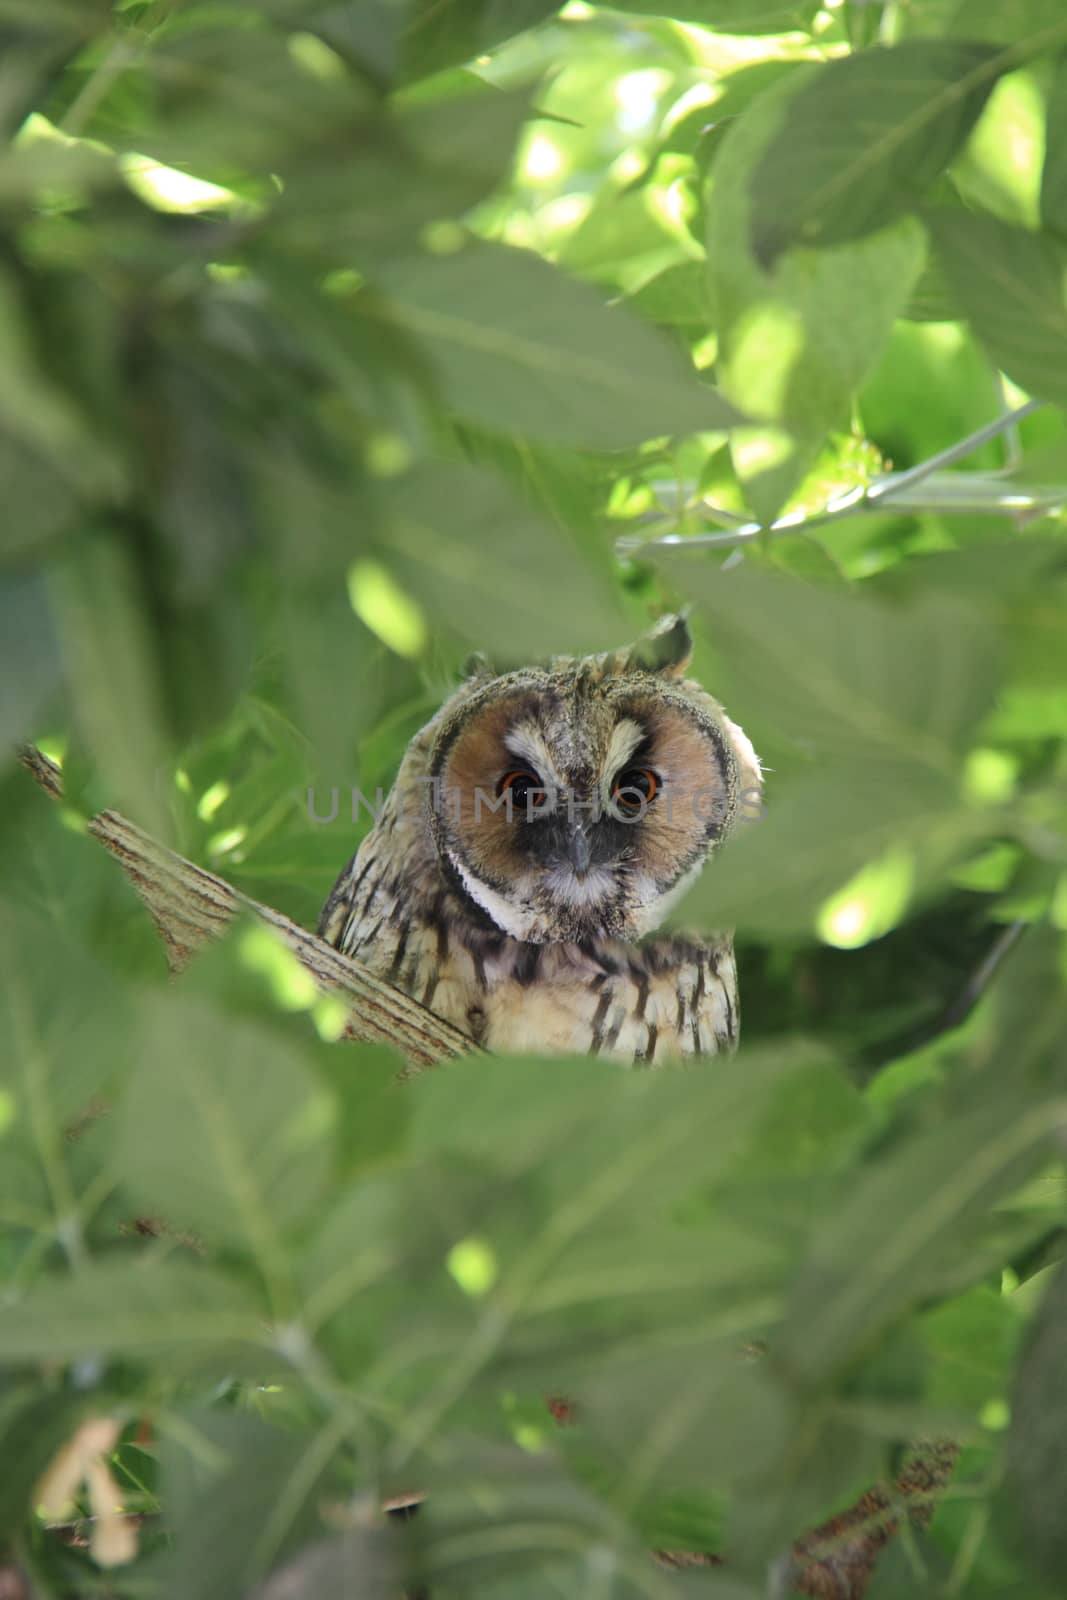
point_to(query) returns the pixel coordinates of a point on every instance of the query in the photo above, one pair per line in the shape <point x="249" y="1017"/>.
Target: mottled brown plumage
<point x="540" y="828"/>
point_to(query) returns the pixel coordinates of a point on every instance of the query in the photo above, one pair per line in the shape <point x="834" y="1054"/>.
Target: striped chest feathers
<point x="643" y="1004"/>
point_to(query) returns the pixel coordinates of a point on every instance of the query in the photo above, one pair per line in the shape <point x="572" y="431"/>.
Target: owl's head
<point x="579" y="800"/>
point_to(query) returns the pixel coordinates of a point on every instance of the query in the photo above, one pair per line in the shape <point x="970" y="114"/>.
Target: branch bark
<point x="190" y="906"/>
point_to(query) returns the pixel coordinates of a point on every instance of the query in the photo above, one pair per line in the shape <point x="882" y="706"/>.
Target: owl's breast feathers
<point x="638" y="1003"/>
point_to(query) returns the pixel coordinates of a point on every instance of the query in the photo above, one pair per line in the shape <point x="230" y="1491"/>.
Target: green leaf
<point x="238" y="1493"/>
<point x="678" y="297"/>
<point x="1010" y="284"/>
<point x="843" y="672"/>
<point x="223" y="1129"/>
<point x="128" y="1308"/>
<point x="1034" y="1458"/>
<point x="1022" y="23"/>
<point x="796" y="343"/>
<point x="374" y="1110"/>
<point x="879" y="1257"/>
<point x="114" y="669"/>
<point x="516" y="345"/>
<point x="361" y="1565"/>
<point x="503" y="574"/>
<point x="1054" y="169"/>
<point x="30" y="666"/>
<point x="700" y="1415"/>
<point x="862" y="138"/>
<point x="818" y="831"/>
<point x="729" y="16"/>
<point x="440" y="33"/>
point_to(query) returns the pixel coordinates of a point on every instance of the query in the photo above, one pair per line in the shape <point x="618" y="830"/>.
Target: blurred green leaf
<point x="729" y="16"/>
<point x="782" y="357"/>
<point x="128" y="1307"/>
<point x="1010" y="22"/>
<point x="1054" y="167"/>
<point x="679" y="296"/>
<point x="878" y="1259"/>
<point x="235" y="1150"/>
<point x="847" y="674"/>
<point x="99" y="598"/>
<point x="1010" y="283"/>
<point x="818" y="831"/>
<point x="437" y="35"/>
<point x="238" y="1494"/>
<point x="517" y="346"/>
<point x="463" y="542"/>
<point x="862" y="137"/>
<point x="360" y="1565"/>
<point x="1034" y="1457"/>
<point x="30" y="665"/>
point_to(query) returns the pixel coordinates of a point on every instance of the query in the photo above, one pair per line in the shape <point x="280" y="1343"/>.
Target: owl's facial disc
<point x="566" y="820"/>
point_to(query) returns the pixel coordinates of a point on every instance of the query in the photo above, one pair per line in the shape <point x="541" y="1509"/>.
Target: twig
<point x="957" y="1011"/>
<point x="979" y="980"/>
<point x="946" y="494"/>
<point x="190" y="906"/>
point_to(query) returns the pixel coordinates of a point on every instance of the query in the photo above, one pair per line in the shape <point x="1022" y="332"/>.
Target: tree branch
<point x="190" y="906"/>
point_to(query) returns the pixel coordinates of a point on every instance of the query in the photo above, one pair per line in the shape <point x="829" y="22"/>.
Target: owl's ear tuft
<point x="477" y="665"/>
<point x="667" y="649"/>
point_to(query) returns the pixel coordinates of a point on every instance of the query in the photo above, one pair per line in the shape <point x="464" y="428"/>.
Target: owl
<point x="541" y="827"/>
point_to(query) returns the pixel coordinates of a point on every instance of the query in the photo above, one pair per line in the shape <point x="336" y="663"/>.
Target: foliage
<point x="338" y="339"/>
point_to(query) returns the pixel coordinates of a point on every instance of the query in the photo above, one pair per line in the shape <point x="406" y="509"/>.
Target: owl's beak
<point x="579" y="853"/>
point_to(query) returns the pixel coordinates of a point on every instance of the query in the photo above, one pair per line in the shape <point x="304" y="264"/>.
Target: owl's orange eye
<point x="635" y="789"/>
<point x="525" y="788"/>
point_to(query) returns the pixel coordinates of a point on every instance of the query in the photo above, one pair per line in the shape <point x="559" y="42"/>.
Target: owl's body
<point x="540" y="827"/>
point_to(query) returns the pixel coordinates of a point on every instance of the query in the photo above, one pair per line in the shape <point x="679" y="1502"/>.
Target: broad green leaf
<point x="729" y="16"/>
<point x="127" y="1307"/>
<point x="42" y="414"/>
<point x="844" y="673"/>
<point x="678" y="297"/>
<point x="1054" y="169"/>
<point x="439" y="33"/>
<point x="777" y="874"/>
<point x="1010" y="284"/>
<point x="115" y="671"/>
<point x="701" y="1414"/>
<point x="468" y="547"/>
<point x="880" y="1256"/>
<point x="796" y="343"/>
<point x="600" y="1138"/>
<point x="440" y="154"/>
<point x="516" y="345"/>
<point x="224" y="1129"/>
<point x="373" y="1108"/>
<point x="239" y="1494"/>
<point x="862" y="138"/>
<point x="513" y="1524"/>
<point x="360" y="1565"/>
<point x="971" y="1341"/>
<point x="63" y="1045"/>
<point x="1034" y="1458"/>
<point x="1033" y="24"/>
<point x="30" y="666"/>
<point x="41" y="505"/>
